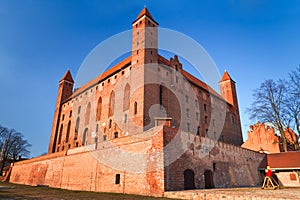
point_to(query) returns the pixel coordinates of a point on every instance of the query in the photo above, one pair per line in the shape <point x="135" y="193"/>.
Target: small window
<point x="116" y="134"/>
<point x="137" y="51"/>
<point x="222" y="138"/>
<point x="110" y="123"/>
<point x="97" y="128"/>
<point x="214" y="166"/>
<point x="63" y="117"/>
<point x="108" y="80"/>
<point x="186" y="99"/>
<point x="176" y="79"/>
<point x="118" y="179"/>
<point x="188" y="127"/>
<point x="135" y="107"/>
<point x="70" y="114"/>
<point x="198" y="130"/>
<point x="206" y="133"/>
<point x="197" y="116"/>
<point x="206" y="120"/>
<point x="116" y="76"/>
<point x="104" y="137"/>
<point x="122" y="72"/>
<point x="188" y="112"/>
<point x="103" y="84"/>
<point x="79" y="108"/>
<point x="196" y="103"/>
<point x="204" y="107"/>
<point x="125" y="118"/>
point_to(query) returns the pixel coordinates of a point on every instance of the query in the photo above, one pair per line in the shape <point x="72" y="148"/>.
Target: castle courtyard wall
<point x="83" y="168"/>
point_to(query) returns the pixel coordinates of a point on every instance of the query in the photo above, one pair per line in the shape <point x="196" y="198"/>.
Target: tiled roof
<point x="67" y="77"/>
<point x="284" y="160"/>
<point x="103" y="76"/>
<point x="226" y="77"/>
<point x="146" y="12"/>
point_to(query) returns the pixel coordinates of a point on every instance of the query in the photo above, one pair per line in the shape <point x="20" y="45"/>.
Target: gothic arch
<point x="189" y="179"/>
<point x="99" y="109"/>
<point x="111" y="104"/>
<point x="84" y="137"/>
<point x="77" y="128"/>
<point x="68" y="131"/>
<point x="87" y="114"/>
<point x="126" y="98"/>
<point x="60" y="133"/>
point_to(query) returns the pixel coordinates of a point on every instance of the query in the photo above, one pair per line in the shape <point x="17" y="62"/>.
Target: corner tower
<point x="144" y="39"/>
<point x="228" y="92"/>
<point x="65" y="90"/>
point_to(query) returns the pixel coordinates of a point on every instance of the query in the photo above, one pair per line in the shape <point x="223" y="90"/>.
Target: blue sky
<point x="253" y="40"/>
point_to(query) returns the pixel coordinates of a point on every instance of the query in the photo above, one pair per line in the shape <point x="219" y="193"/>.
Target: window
<point x="206" y="120"/>
<point x="68" y="131"/>
<point x="97" y="128"/>
<point x="76" y="128"/>
<point x="84" y="138"/>
<point x="126" y="98"/>
<point x="186" y="99"/>
<point x="135" y="107"/>
<point x="110" y="123"/>
<point x="118" y="179"/>
<point x="188" y="127"/>
<point x="111" y="104"/>
<point x="79" y="108"/>
<point x="116" y="134"/>
<point x="198" y="130"/>
<point x="60" y="133"/>
<point x="196" y="103"/>
<point x="104" y="137"/>
<point x="206" y="133"/>
<point x="70" y="114"/>
<point x="204" y="107"/>
<point x="176" y="67"/>
<point x="188" y="112"/>
<point x="160" y="96"/>
<point x="214" y="166"/>
<point x="222" y="138"/>
<point x="99" y="109"/>
<point x="176" y="79"/>
<point x="63" y="117"/>
<point x="87" y="114"/>
<point x="125" y="118"/>
<point x="197" y="116"/>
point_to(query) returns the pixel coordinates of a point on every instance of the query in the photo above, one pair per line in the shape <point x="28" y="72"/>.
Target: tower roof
<point x="67" y="77"/>
<point x="144" y="12"/>
<point x="226" y="77"/>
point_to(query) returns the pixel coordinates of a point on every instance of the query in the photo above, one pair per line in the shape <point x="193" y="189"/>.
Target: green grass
<point x="14" y="191"/>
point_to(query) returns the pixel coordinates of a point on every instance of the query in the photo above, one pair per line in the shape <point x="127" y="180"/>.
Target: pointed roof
<point x="146" y="12"/>
<point x="226" y="77"/>
<point x="67" y="77"/>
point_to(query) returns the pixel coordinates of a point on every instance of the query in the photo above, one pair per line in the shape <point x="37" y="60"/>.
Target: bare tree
<point x="293" y="102"/>
<point x="268" y="106"/>
<point x="12" y="145"/>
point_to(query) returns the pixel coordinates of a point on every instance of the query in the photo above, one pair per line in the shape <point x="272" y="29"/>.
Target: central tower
<point x="144" y="39"/>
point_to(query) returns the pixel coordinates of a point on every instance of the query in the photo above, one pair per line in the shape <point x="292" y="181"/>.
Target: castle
<point x="144" y="126"/>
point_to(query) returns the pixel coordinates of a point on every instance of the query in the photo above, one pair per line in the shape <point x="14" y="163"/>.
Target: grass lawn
<point x="14" y="191"/>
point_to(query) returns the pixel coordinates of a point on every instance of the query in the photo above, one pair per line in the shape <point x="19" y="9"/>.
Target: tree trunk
<point x="284" y="143"/>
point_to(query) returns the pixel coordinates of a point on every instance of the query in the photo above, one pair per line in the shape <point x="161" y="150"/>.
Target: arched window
<point x="87" y="114"/>
<point x="68" y="131"/>
<point x="111" y="103"/>
<point x="126" y="98"/>
<point x="60" y="133"/>
<point x="84" y="138"/>
<point x="77" y="128"/>
<point x="135" y="107"/>
<point x="99" y="109"/>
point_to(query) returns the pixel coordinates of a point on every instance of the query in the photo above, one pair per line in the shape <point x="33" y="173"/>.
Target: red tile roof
<point x="226" y="77"/>
<point x="283" y="161"/>
<point x="67" y="77"/>
<point x="146" y="12"/>
<point x="103" y="76"/>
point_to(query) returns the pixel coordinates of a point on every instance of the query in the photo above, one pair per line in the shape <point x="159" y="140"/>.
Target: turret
<point x="65" y="90"/>
<point x="144" y="39"/>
